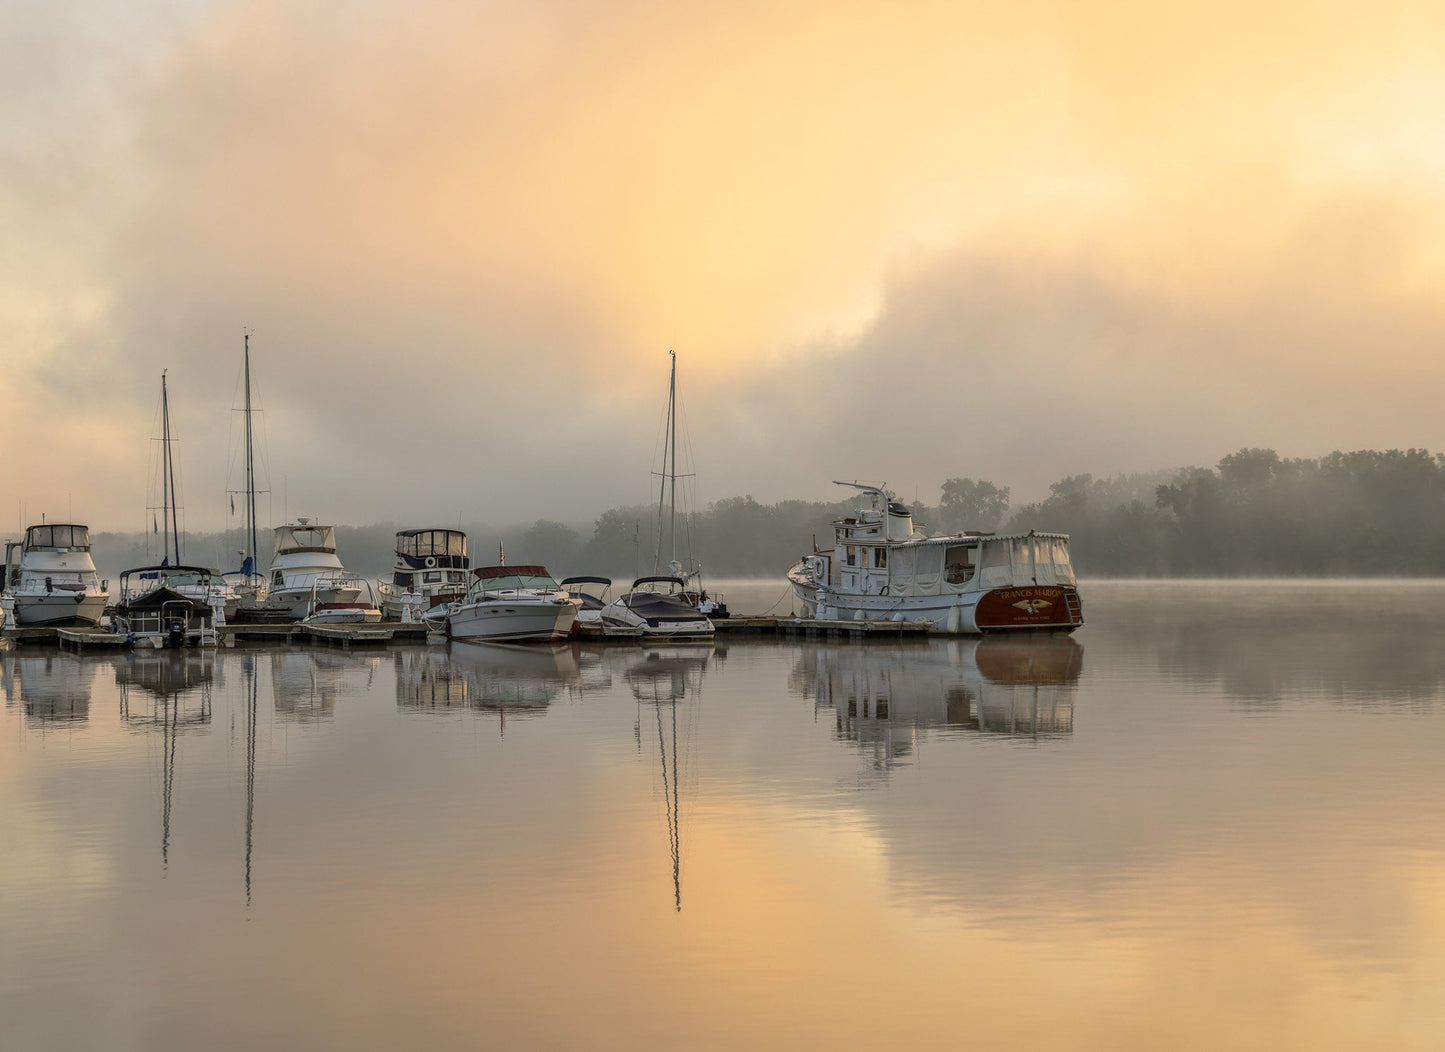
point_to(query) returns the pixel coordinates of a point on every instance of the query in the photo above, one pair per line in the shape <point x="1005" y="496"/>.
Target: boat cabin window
<point x="57" y="537"/>
<point x="852" y="556"/>
<point x="432" y="542"/>
<point x="456" y="576"/>
<point x="403" y="580"/>
<point x="960" y="563"/>
<point x="433" y="577"/>
<point x="277" y="580"/>
<point x="880" y="557"/>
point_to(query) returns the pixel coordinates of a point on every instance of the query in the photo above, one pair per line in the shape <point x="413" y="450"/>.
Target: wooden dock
<point x="378" y="634"/>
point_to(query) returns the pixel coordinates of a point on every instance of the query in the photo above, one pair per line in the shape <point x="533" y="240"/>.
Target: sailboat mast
<point x="250" y="465"/>
<point x="168" y="479"/>
<point x="672" y="433"/>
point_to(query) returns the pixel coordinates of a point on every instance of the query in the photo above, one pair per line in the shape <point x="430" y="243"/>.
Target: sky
<point x="897" y="241"/>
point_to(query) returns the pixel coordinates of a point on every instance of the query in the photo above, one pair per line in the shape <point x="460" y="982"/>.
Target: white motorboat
<point x="430" y="571"/>
<point x="884" y="567"/>
<point x="50" y="578"/>
<point x="659" y="608"/>
<point x="512" y="604"/>
<point x="338" y="612"/>
<point x="306" y="572"/>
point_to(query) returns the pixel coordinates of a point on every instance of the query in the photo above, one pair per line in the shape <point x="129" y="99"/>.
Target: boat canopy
<point x="586" y="580"/>
<point x="418" y="544"/>
<point x="304" y="537"/>
<point x="664" y="579"/>
<point x="57" y="535"/>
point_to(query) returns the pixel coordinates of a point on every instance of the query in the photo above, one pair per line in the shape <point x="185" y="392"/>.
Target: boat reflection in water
<point x="50" y="686"/>
<point x="305" y="684"/>
<point x="660" y="680"/>
<point x="507" y="679"/>
<point x="1021" y="687"/>
<point x="167" y="691"/>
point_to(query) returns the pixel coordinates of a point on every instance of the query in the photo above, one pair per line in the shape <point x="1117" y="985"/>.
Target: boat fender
<point x="431" y="560"/>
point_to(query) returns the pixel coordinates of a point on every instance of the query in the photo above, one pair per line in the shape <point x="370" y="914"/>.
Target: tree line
<point x="1255" y="513"/>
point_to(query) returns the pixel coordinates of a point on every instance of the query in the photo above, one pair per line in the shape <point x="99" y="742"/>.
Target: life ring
<point x="431" y="560"/>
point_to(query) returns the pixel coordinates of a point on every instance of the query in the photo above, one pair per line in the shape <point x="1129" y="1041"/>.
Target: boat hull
<point x="296" y="603"/>
<point x="1034" y="608"/>
<point x="512" y="621"/>
<point x="59" y="609"/>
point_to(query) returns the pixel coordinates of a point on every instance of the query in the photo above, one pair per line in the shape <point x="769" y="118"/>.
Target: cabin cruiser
<point x="430" y="569"/>
<point x="305" y="571"/>
<point x="884" y="567"/>
<point x="660" y="608"/>
<point x="52" y="580"/>
<point x="512" y="604"/>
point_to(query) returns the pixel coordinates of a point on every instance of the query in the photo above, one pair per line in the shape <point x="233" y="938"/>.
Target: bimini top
<point x="431" y="540"/>
<point x="586" y="580"/>
<point x="303" y="536"/>
<point x="664" y="579"/>
<point x="58" y="535"/>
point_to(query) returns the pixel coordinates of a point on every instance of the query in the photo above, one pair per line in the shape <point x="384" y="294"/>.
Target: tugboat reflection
<point x="660" y="680"/>
<point x="49" y="687"/>
<point x="507" y="679"/>
<point x="1020" y="687"/>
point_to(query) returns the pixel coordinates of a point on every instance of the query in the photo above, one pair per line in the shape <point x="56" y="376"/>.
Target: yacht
<point x="882" y="566"/>
<point x="512" y="604"/>
<point x="50" y="578"/>
<point x="430" y="563"/>
<point x="659" y="608"/>
<point x="306" y="572"/>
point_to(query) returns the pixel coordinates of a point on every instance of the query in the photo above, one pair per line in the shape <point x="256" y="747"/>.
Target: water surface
<point x="1212" y="818"/>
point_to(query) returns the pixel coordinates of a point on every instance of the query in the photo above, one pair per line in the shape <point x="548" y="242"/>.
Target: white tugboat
<point x="882" y="567"/>
<point x="53" y="581"/>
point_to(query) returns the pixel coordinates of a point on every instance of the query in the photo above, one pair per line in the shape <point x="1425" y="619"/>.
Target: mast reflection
<point x="886" y="700"/>
<point x="660" y="680"/>
<point x="169" y="691"/>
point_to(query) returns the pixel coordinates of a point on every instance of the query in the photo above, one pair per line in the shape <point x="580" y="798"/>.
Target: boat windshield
<point x="305" y="538"/>
<point x="516" y="582"/>
<point x="57" y="536"/>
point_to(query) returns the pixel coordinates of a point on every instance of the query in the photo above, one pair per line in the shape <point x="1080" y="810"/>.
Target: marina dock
<point x="398" y="633"/>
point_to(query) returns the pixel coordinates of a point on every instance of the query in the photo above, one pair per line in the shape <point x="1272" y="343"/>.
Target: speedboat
<point x="305" y="571"/>
<point x="342" y="612"/>
<point x="884" y="567"/>
<point x="50" y="578"/>
<point x="430" y="571"/>
<point x="512" y="604"/>
<point x="659" y="608"/>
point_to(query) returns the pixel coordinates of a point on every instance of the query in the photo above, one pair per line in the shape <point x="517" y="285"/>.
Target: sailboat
<point x="664" y="606"/>
<point x="171" y="603"/>
<point x="306" y="573"/>
<point x="248" y="581"/>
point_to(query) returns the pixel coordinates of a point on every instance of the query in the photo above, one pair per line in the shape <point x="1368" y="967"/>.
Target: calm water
<point x="1214" y="818"/>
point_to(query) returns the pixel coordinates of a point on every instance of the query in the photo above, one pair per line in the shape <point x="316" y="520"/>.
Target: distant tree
<point x="550" y="543"/>
<point x="968" y="504"/>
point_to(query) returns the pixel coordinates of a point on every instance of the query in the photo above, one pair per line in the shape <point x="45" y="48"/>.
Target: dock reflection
<point x="49" y="686"/>
<point x="884" y="699"/>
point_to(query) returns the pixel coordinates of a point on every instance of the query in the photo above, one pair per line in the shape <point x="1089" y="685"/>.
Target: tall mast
<point x="250" y="465"/>
<point x="672" y="431"/>
<point x="172" y="537"/>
